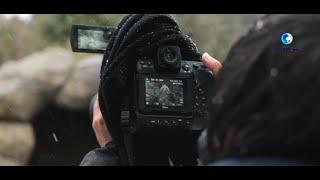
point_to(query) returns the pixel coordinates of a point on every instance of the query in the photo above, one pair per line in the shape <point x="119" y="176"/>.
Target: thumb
<point x="96" y="107"/>
<point x="211" y="63"/>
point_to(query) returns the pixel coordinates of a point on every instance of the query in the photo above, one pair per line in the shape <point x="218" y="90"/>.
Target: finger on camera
<point x="211" y="63"/>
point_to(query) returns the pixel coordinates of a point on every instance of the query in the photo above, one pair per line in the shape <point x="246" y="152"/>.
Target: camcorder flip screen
<point x="90" y="39"/>
<point x="164" y="93"/>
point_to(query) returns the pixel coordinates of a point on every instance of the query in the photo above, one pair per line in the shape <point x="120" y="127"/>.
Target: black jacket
<point x="106" y="156"/>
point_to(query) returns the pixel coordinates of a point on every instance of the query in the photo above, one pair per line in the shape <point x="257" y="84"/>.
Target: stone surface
<point x="28" y="84"/>
<point x="45" y="93"/>
<point x="8" y="162"/>
<point x="82" y="84"/>
<point x="16" y="143"/>
<point x="19" y="99"/>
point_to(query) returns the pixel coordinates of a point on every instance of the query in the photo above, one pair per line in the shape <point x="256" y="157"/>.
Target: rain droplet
<point x="55" y="137"/>
<point x="274" y="72"/>
<point x="259" y="25"/>
<point x="217" y="100"/>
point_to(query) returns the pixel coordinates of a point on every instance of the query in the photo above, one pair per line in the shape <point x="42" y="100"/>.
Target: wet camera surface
<point x="168" y="92"/>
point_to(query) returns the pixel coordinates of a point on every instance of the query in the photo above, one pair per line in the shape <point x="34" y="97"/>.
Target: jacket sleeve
<point x="105" y="156"/>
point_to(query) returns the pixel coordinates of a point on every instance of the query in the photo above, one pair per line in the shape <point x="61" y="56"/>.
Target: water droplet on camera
<point x="217" y="100"/>
<point x="274" y="72"/>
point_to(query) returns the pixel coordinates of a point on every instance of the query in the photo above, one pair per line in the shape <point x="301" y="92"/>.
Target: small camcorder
<point x="168" y="99"/>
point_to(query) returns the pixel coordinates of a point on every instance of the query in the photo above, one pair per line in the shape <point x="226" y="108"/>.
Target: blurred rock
<point x="49" y="69"/>
<point x="38" y="96"/>
<point x="8" y="162"/>
<point x="16" y="143"/>
<point x="28" y="84"/>
<point x="82" y="84"/>
<point x="19" y="99"/>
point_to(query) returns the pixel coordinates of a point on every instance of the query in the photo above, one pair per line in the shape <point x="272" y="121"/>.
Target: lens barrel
<point x="169" y="58"/>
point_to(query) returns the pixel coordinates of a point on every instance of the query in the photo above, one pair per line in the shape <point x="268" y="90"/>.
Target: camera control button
<point x="186" y="67"/>
<point x="145" y="66"/>
<point x="195" y="67"/>
<point x="174" y="122"/>
<point x="125" y="114"/>
<point x="166" y="123"/>
<point x="188" y="123"/>
<point x="152" y="122"/>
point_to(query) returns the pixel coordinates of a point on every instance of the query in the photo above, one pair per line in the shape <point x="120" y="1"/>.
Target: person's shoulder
<point x="105" y="156"/>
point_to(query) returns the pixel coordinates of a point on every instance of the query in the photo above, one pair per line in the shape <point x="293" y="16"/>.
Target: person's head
<point x="266" y="100"/>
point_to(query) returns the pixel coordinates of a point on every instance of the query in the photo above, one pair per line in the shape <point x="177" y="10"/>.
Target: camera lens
<point x="170" y="55"/>
<point x="169" y="59"/>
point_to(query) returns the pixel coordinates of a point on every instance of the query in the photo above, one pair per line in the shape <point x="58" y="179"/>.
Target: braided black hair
<point x="138" y="35"/>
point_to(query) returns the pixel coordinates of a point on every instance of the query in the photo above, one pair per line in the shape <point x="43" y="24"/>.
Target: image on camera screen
<point x="164" y="92"/>
<point x="91" y="39"/>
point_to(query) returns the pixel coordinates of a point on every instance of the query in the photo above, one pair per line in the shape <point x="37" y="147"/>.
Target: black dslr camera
<point x="170" y="92"/>
<point x="164" y="112"/>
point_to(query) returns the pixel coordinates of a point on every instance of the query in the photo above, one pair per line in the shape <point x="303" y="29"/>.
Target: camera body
<point x="169" y="93"/>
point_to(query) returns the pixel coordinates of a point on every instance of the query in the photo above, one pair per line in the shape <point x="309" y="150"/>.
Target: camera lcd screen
<point x="91" y="39"/>
<point x="164" y="92"/>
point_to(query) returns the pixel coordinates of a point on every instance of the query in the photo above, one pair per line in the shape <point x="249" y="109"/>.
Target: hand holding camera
<point x="98" y="123"/>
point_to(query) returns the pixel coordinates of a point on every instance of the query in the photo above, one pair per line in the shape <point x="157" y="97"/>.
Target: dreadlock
<point x="137" y="35"/>
<point x="271" y="98"/>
